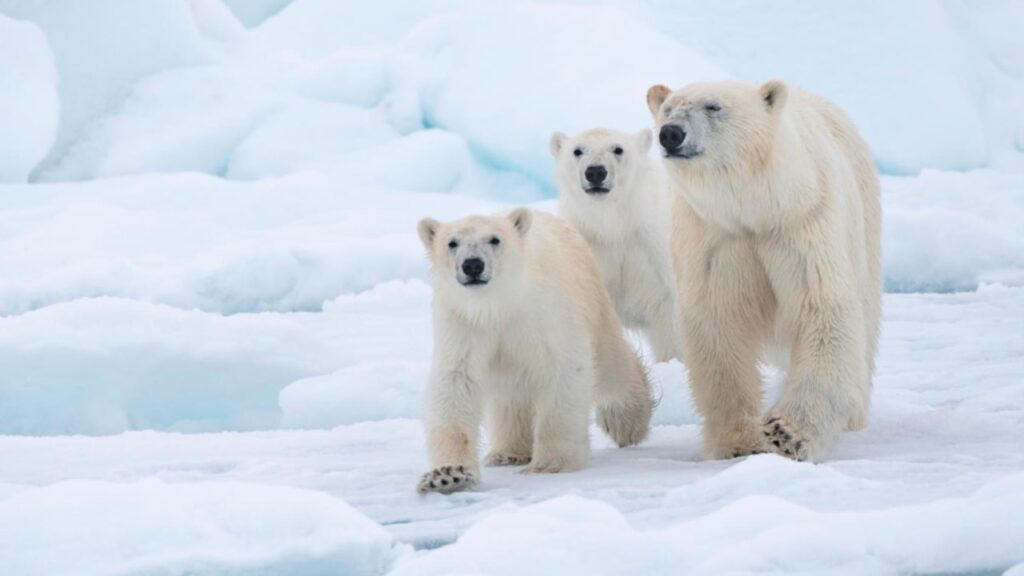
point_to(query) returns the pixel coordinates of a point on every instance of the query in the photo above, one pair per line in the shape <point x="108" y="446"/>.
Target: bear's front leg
<point x="725" y="306"/>
<point x="823" y="389"/>
<point x="452" y="420"/>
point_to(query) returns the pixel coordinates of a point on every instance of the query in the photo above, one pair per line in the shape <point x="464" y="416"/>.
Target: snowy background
<point x="214" y="325"/>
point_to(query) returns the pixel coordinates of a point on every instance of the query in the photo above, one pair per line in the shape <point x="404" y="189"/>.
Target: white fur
<point x="627" y="228"/>
<point x="776" y="245"/>
<point x="529" y="352"/>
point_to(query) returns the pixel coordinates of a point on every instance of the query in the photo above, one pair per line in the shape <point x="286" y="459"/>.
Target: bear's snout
<point x="596" y="175"/>
<point x="671" y="137"/>
<point x="473" y="268"/>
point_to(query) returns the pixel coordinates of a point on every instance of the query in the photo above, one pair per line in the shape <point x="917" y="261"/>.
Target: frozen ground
<point x="935" y="484"/>
<point x="214" y="326"/>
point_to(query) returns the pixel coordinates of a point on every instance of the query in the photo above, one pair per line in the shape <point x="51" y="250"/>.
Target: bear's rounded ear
<point x="774" y="94"/>
<point x="656" y="96"/>
<point x="521" y="219"/>
<point x="643" y="140"/>
<point x="427" y="229"/>
<point x="557" y="141"/>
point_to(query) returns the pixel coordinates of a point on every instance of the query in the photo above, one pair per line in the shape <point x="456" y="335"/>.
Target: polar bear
<point x="525" y="338"/>
<point x="609" y="188"/>
<point x="776" y="247"/>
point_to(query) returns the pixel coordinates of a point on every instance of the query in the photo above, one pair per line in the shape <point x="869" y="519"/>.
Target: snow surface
<point x="215" y="325"/>
<point x="29" y="108"/>
<point x="199" y="528"/>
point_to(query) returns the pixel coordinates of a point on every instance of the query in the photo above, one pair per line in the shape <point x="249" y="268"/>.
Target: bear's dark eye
<point x="453" y="244"/>
<point x="577" y="152"/>
<point x="495" y="241"/>
<point x="618" y="151"/>
<point x="712" y="107"/>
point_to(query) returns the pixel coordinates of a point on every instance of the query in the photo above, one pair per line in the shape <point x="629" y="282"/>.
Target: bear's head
<point x="717" y="126"/>
<point x="599" y="162"/>
<point x="476" y="255"/>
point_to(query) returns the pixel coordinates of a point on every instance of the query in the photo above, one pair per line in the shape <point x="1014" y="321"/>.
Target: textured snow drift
<point x="29" y="108"/>
<point x="221" y="528"/>
<point x="753" y="535"/>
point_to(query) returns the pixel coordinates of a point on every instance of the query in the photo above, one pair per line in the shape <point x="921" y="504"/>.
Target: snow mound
<point x="316" y="28"/>
<point x="190" y="119"/>
<point x="101" y="49"/>
<point x="752" y="535"/>
<point x="367" y="391"/>
<point x="306" y="134"/>
<point x="357" y="77"/>
<point x="581" y="67"/>
<point x="106" y="365"/>
<point x="941" y="233"/>
<point x="222" y="529"/>
<point x="901" y="70"/>
<point x="145" y="369"/>
<point x="253" y="12"/>
<point x="29" y="107"/>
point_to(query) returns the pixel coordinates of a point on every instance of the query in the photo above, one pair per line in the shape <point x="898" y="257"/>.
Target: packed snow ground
<point x="935" y="484"/>
<point x="215" y="330"/>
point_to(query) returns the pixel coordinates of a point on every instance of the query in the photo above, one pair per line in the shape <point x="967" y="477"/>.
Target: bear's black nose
<point x="473" y="267"/>
<point x="596" y="174"/>
<point x="671" y="137"/>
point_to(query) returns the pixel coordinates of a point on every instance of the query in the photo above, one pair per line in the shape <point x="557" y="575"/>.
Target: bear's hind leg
<point x="561" y="417"/>
<point x="622" y="391"/>
<point x="662" y="333"/>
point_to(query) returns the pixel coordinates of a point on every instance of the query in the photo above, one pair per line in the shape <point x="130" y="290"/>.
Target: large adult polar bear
<point x="611" y="190"/>
<point x="525" y="338"/>
<point x="777" y="249"/>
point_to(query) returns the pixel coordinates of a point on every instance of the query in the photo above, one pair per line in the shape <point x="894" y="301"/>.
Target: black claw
<point x="435" y="473"/>
<point x="461" y="468"/>
<point x="776" y="442"/>
<point x="778" y="428"/>
<point x="766" y="433"/>
<point x="773" y="420"/>
<point x="447" y="469"/>
<point x="788" y="452"/>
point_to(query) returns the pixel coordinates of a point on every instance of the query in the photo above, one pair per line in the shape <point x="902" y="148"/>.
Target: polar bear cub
<point x="776" y="248"/>
<point x="611" y="191"/>
<point x="525" y="339"/>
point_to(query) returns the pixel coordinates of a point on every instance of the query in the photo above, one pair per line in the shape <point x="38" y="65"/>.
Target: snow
<point x="101" y="49"/>
<point x="29" y="108"/>
<point x="203" y="528"/>
<point x="215" y="323"/>
<point x="556" y="81"/>
<point x="307" y="135"/>
<point x="895" y="67"/>
<point x="754" y="534"/>
<point x="254" y="12"/>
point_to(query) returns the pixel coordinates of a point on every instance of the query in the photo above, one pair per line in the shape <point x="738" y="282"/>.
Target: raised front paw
<point x="447" y="479"/>
<point x="785" y="438"/>
<point x="506" y="459"/>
